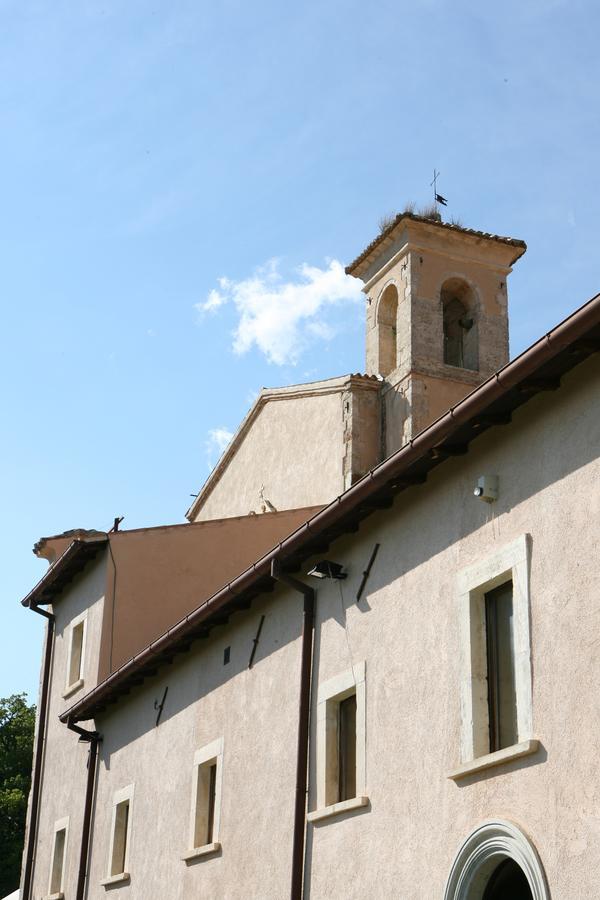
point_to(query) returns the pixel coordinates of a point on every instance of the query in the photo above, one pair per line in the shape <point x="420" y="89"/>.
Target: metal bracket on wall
<point x="367" y="572"/>
<point x="159" y="706"/>
<point x="255" y="641"/>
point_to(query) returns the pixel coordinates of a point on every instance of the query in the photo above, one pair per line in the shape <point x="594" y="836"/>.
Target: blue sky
<point x="153" y="153"/>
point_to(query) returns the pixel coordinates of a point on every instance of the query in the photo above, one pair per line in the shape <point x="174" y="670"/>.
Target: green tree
<point x="17" y="724"/>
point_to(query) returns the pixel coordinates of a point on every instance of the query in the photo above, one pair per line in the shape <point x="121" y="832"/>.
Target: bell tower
<point x="436" y="319"/>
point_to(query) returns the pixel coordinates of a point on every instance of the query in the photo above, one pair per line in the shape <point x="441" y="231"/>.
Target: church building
<point x="365" y="665"/>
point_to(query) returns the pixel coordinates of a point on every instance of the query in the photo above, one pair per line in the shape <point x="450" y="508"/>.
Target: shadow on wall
<point x="209" y="665"/>
<point x="529" y="455"/>
<point x="501" y="771"/>
<point x="536" y="451"/>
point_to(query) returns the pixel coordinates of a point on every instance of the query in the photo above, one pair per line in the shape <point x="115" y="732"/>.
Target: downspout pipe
<point x="308" y="627"/>
<point x="36" y="780"/>
<point x="93" y="739"/>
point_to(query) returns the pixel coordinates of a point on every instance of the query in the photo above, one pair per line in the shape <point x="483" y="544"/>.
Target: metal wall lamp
<point x="327" y="569"/>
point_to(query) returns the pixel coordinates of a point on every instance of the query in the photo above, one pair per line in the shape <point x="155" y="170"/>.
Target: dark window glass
<point x="502" y="696"/>
<point x="347" y="748"/>
<point x="211" y="803"/>
<point x="205" y="804"/>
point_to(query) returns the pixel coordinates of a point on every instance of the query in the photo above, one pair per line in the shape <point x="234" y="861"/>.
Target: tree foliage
<point x="17" y="724"/>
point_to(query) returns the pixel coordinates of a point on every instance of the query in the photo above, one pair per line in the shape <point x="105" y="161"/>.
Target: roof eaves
<point x="61" y="572"/>
<point x="556" y="352"/>
<point x="512" y="242"/>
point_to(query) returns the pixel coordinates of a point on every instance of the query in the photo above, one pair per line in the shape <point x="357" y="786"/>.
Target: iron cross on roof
<point x="437" y="198"/>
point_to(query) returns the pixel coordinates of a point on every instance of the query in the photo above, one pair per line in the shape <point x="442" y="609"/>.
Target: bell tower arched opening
<point x="461" y="334"/>
<point x="387" y="317"/>
<point x="436" y="318"/>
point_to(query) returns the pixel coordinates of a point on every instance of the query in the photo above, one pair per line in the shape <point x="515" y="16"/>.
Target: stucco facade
<point x="433" y="808"/>
<point x="64" y="761"/>
<point x="298" y="446"/>
<point x="406" y="630"/>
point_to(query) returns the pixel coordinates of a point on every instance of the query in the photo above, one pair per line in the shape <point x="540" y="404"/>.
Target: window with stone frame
<point x="59" y="852"/>
<point x="205" y="813"/>
<point x="495" y="659"/>
<point x="76" y="653"/>
<point x="120" y="837"/>
<point x="341" y="744"/>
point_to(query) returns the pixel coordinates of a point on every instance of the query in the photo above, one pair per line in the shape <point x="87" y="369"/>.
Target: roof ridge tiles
<point x="450" y="226"/>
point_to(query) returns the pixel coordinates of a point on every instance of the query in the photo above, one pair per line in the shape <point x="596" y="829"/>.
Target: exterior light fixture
<point x="327" y="569"/>
<point x="487" y="488"/>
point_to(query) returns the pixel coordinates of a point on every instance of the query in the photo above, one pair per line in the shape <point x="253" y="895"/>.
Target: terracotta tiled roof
<point x="365" y="377"/>
<point x="513" y="242"/>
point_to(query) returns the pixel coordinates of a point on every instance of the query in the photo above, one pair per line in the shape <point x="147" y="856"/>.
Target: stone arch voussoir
<point x="483" y="850"/>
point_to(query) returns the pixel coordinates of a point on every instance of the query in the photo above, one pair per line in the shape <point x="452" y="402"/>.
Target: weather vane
<point x="437" y="198"/>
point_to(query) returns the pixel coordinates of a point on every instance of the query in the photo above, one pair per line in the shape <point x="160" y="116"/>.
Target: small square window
<point x="59" y="850"/>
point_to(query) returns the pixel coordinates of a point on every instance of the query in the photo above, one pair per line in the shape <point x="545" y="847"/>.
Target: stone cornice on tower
<point x="410" y="226"/>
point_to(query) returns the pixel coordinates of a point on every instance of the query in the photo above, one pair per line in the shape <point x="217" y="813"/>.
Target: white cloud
<point x="213" y="301"/>
<point x="320" y="329"/>
<point x="218" y="438"/>
<point x="280" y="317"/>
<point x="216" y="443"/>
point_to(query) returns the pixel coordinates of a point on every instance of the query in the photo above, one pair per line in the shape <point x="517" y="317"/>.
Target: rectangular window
<point x="76" y="654"/>
<point x="495" y="659"/>
<point x="347" y="748"/>
<point x="120" y="837"/>
<point x="500" y="645"/>
<point x="120" y="834"/>
<point x="59" y="850"/>
<point x="205" y="804"/>
<point x="205" y="817"/>
<point x="341" y="744"/>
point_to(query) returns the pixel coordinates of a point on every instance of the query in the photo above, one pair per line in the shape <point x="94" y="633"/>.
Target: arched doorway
<point x="497" y="862"/>
<point x="507" y="882"/>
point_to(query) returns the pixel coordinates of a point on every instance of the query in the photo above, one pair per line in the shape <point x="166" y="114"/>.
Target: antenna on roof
<point x="117" y="522"/>
<point x="437" y="198"/>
